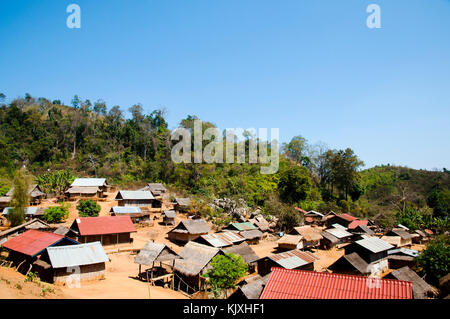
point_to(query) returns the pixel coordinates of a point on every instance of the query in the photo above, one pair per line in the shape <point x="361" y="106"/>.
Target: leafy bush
<point x="434" y="261"/>
<point x="55" y="182"/>
<point x="55" y="214"/>
<point x="226" y="270"/>
<point x="295" y="184"/>
<point x="88" y="208"/>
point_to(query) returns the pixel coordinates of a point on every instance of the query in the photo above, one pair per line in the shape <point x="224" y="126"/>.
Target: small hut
<point x="34" y="191"/>
<point x="135" y="213"/>
<point x="241" y="226"/>
<point x="182" y="205"/>
<point x="88" y="187"/>
<point x="351" y="264"/>
<point x="30" y="212"/>
<point x="252" y="237"/>
<point x="334" y="237"/>
<point x="157" y="189"/>
<point x="36" y="224"/>
<point x="155" y="253"/>
<point x="373" y="250"/>
<point x="169" y="217"/>
<point x="222" y="239"/>
<point x="90" y="192"/>
<point x="311" y="236"/>
<point x="420" y="288"/>
<point x="290" y="242"/>
<point x="246" y="252"/>
<point x="135" y="198"/>
<point x="251" y="288"/>
<point x="4" y="201"/>
<point x="400" y="237"/>
<point x="57" y="264"/>
<point x="294" y="259"/>
<point x="401" y="257"/>
<point x="342" y="219"/>
<point x="188" y="229"/>
<point x="196" y="259"/>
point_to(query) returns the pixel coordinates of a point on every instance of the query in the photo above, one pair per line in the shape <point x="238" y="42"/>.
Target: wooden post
<point x="148" y="285"/>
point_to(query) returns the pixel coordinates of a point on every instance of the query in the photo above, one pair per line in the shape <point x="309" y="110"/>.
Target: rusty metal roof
<point x="302" y="284"/>
<point x="293" y="258"/>
<point x="223" y="239"/>
<point x="103" y="225"/>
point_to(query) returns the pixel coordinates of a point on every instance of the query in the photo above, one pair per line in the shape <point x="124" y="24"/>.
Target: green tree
<point x="295" y="184"/>
<point x="225" y="272"/>
<point x="88" y="208"/>
<point x="20" y="198"/>
<point x="434" y="261"/>
<point x="56" y="214"/>
<point x="296" y="149"/>
<point x="439" y="200"/>
<point x="55" y="182"/>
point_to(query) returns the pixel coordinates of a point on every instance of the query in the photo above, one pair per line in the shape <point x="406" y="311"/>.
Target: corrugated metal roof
<point x="223" y="239"/>
<point x="347" y="217"/>
<point x="28" y="210"/>
<point x="126" y="210"/>
<point x="357" y="223"/>
<point x="339" y="226"/>
<point x="86" y="182"/>
<point x="32" y="242"/>
<point x="302" y="284"/>
<point x="313" y="212"/>
<point x="293" y="258"/>
<point x="103" y="225"/>
<point x="130" y="195"/>
<point x="406" y="251"/>
<point x="77" y="255"/>
<point x="338" y="232"/>
<point x="244" y="226"/>
<point x="374" y="244"/>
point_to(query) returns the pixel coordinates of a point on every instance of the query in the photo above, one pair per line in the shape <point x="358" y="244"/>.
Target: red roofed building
<point x="341" y="219"/>
<point x="28" y="245"/>
<point x="357" y="223"/>
<point x="304" y="284"/>
<point x="109" y="230"/>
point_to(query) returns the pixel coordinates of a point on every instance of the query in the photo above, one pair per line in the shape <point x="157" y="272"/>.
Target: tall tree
<point x="20" y="198"/>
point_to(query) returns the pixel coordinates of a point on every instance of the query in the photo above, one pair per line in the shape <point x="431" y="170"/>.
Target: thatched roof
<point x="254" y="288"/>
<point x="353" y="260"/>
<point x="243" y="250"/>
<point x="192" y="226"/>
<point x="400" y="232"/>
<point x="32" y="224"/>
<point x="33" y="191"/>
<point x="195" y="258"/>
<point x="251" y="234"/>
<point x="419" y="286"/>
<point x="156" y="188"/>
<point x="61" y="230"/>
<point x="290" y="239"/>
<point x="169" y="214"/>
<point x="155" y="252"/>
<point x="309" y="233"/>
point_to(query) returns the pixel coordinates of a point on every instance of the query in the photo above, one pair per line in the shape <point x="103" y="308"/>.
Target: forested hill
<point x="91" y="139"/>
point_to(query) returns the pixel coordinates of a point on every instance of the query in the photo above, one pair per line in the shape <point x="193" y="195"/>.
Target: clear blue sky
<point x="307" y="67"/>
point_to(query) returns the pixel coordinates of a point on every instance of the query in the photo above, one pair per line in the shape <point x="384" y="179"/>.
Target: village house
<point x="419" y="287"/>
<point x="351" y="264"/>
<point x="221" y="239"/>
<point x="341" y="219"/>
<point x="137" y="199"/>
<point x="169" y="217"/>
<point x="196" y="259"/>
<point x="34" y="191"/>
<point x="25" y="248"/>
<point x="401" y="257"/>
<point x="311" y="236"/>
<point x="87" y="188"/>
<point x="373" y="250"/>
<point x="241" y="226"/>
<point x="157" y="189"/>
<point x="290" y="242"/>
<point x="252" y="237"/>
<point x="4" y="202"/>
<point x="182" y="205"/>
<point x="398" y="237"/>
<point x="30" y="212"/>
<point x="36" y="224"/>
<point x="313" y="217"/>
<point x="303" y="284"/>
<point x="250" y="288"/>
<point x="135" y="213"/>
<point x="334" y="237"/>
<point x="109" y="230"/>
<point x="246" y="252"/>
<point x="294" y="259"/>
<point x="155" y="253"/>
<point x="58" y="264"/>
<point x="188" y="229"/>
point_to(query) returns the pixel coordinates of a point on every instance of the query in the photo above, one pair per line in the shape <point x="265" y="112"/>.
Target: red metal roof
<point x="300" y="210"/>
<point x="104" y="225"/>
<point x="357" y="223"/>
<point x="303" y="284"/>
<point x="347" y="217"/>
<point x="32" y="242"/>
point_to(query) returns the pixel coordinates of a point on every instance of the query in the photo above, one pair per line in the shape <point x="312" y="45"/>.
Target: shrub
<point x="55" y="214"/>
<point x="88" y="208"/>
<point x="434" y="261"/>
